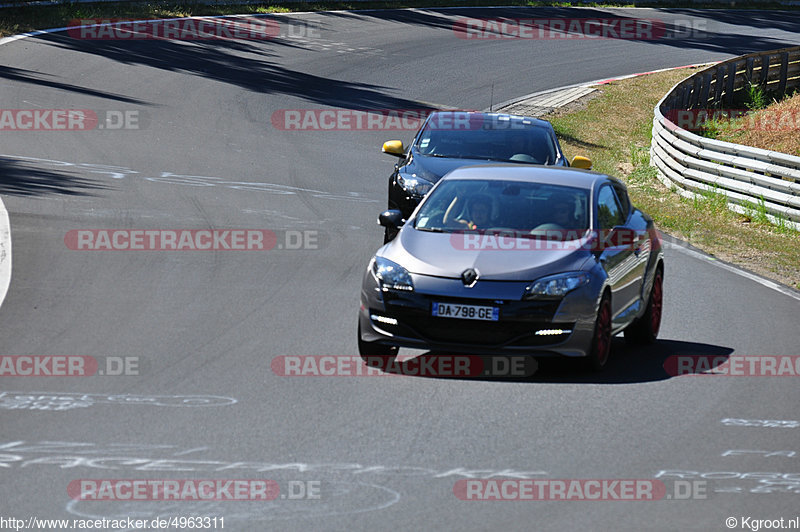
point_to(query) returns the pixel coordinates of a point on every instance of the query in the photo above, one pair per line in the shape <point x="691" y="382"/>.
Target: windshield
<point x="489" y="139"/>
<point x="528" y="209"/>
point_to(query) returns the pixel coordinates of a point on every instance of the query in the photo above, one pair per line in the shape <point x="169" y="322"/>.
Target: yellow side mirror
<point x="394" y="147"/>
<point x="581" y="162"/>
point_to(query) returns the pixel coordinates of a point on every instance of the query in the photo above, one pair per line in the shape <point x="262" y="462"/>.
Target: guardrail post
<point x="706" y="89"/>
<point x="731" y="83"/>
<point x="784" y="72"/>
<point x="765" y="59"/>
<point x="685" y="101"/>
<point x="719" y="84"/>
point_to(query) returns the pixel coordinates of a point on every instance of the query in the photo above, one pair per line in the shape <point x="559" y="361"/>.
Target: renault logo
<point x="469" y="277"/>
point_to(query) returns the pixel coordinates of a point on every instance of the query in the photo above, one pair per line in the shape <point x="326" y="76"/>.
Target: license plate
<point x="465" y="312"/>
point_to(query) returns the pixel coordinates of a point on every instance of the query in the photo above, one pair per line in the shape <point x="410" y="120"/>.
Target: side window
<point x="624" y="200"/>
<point x="609" y="211"/>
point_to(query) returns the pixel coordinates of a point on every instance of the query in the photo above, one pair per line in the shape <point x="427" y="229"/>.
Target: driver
<point x="563" y="211"/>
<point x="518" y="145"/>
<point x="480" y="210"/>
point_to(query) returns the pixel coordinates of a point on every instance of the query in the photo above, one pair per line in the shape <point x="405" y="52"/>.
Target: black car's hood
<point x="434" y="168"/>
<point x="449" y="254"/>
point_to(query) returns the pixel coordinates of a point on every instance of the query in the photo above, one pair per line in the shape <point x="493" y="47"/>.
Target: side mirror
<point x="581" y="162"/>
<point x="619" y="236"/>
<point x="394" y="147"/>
<point x="391" y="219"/>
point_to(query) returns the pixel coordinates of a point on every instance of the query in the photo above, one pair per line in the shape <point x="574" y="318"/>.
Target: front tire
<point x="645" y="330"/>
<point x="601" y="339"/>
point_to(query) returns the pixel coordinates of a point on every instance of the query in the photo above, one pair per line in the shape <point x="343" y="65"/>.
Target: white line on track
<point x="5" y="251"/>
<point x="785" y="290"/>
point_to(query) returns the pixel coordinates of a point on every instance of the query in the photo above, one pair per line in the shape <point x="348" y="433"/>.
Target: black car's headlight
<point x="391" y="275"/>
<point x="414" y="185"/>
<point x="556" y="285"/>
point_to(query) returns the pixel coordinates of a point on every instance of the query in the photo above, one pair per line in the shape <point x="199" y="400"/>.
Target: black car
<point x="450" y="139"/>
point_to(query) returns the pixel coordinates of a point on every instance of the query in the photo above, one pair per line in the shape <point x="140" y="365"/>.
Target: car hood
<point x="510" y="259"/>
<point x="433" y="168"/>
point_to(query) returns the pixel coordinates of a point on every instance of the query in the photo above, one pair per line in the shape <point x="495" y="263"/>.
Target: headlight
<point x="391" y="275"/>
<point x="556" y="285"/>
<point x="414" y="185"/>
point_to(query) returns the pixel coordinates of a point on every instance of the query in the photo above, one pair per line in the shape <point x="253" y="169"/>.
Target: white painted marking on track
<point x="120" y="172"/>
<point x="195" y="450"/>
<point x="772" y="285"/>
<point x="61" y="401"/>
<point x="5" y="252"/>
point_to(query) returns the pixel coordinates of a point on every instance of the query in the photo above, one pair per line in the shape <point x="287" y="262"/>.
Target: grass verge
<point x="775" y="127"/>
<point x="614" y="130"/>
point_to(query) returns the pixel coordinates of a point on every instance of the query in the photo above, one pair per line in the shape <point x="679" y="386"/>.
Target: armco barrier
<point x="748" y="176"/>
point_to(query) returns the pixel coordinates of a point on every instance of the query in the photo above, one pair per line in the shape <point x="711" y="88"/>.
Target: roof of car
<point x="549" y="175"/>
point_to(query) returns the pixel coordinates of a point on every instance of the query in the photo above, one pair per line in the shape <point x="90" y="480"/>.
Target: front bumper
<point x="404" y="319"/>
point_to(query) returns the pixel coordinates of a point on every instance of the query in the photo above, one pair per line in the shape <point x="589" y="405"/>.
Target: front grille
<point x="484" y="333"/>
<point x="519" y="320"/>
<point x="452" y="330"/>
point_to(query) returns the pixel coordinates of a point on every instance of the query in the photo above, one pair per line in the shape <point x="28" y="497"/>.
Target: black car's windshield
<point x="487" y="137"/>
<point x="528" y="209"/>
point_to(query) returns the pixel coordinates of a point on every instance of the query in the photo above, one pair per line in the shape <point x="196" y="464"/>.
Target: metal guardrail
<point x="751" y="178"/>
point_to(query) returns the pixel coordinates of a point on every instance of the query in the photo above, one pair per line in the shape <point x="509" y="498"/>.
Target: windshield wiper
<point x="522" y="162"/>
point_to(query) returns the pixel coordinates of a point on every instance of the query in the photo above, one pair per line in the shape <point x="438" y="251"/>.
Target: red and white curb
<point x="609" y="80"/>
<point x="541" y="103"/>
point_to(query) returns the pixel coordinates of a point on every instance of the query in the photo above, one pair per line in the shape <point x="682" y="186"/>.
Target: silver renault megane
<point x="515" y="259"/>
